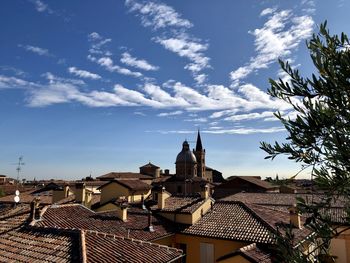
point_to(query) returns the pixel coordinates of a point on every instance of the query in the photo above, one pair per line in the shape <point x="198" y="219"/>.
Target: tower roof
<point x="185" y="155"/>
<point x="199" y="146"/>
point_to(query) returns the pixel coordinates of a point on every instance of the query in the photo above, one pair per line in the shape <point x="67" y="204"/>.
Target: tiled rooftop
<point x="277" y="199"/>
<point x="134" y="185"/>
<point x="27" y="197"/>
<point x="123" y="175"/>
<point x="77" y="216"/>
<point x="242" y="222"/>
<point x="20" y="242"/>
<point x="234" y="221"/>
<point x="181" y="204"/>
<point x="37" y="245"/>
<point x="120" y="249"/>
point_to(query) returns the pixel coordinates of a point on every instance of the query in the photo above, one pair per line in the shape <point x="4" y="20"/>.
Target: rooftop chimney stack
<point x="162" y="195"/>
<point x="66" y="190"/>
<point x="150" y="226"/>
<point x="294" y="216"/>
<point x="205" y="192"/>
<point x="80" y="192"/>
<point x="34" y="207"/>
<point x="122" y="212"/>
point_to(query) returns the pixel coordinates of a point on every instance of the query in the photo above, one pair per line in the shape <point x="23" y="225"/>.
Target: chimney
<point x="156" y="173"/>
<point x="34" y="206"/>
<point x="88" y="199"/>
<point x="205" y="191"/>
<point x="150" y="226"/>
<point x="80" y="192"/>
<point x="162" y="195"/>
<point x="122" y="212"/>
<point x="294" y="216"/>
<point x="66" y="190"/>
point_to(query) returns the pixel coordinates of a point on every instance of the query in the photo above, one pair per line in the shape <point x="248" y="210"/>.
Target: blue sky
<point x="98" y="86"/>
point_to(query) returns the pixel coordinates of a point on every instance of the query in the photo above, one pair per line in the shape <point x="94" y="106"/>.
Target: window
<point x="207" y="252"/>
<point x="179" y="189"/>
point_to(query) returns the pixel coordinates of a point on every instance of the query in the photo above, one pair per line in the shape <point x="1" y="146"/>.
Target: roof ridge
<point x="98" y="233"/>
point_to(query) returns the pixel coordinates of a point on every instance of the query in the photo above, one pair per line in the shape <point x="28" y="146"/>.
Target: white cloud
<point x="135" y="97"/>
<point x="157" y="15"/>
<point x="282" y="33"/>
<point x="37" y="50"/>
<point x="83" y="73"/>
<point x="197" y="120"/>
<point x="41" y="7"/>
<point x="185" y="47"/>
<point x="245" y="130"/>
<point x="109" y="65"/>
<point x="172" y="113"/>
<point x="137" y="63"/>
<point x="249" y="116"/>
<point x="267" y="11"/>
<point x="13" y="83"/>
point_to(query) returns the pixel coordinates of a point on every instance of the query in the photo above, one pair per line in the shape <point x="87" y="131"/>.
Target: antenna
<point x="19" y="167"/>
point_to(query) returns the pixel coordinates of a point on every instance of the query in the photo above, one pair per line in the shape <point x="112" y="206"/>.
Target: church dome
<point x="186" y="155"/>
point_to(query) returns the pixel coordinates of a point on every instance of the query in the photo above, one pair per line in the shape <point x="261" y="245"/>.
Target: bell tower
<point x="199" y="152"/>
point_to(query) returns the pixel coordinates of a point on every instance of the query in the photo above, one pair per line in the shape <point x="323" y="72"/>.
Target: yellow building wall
<point x="340" y="246"/>
<point x="166" y="241"/>
<point x="115" y="190"/>
<point x="221" y="247"/>
<point x="188" y="219"/>
<point x="111" y="191"/>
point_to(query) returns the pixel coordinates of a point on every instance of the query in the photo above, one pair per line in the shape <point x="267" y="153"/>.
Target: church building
<point x="191" y="171"/>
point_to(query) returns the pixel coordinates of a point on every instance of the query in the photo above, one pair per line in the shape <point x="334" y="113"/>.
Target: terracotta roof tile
<point x="27" y="197"/>
<point x="123" y="175"/>
<point x="134" y="185"/>
<point x="39" y="245"/>
<point x="231" y="220"/>
<point x="77" y="216"/>
<point x="120" y="249"/>
<point x="181" y="204"/>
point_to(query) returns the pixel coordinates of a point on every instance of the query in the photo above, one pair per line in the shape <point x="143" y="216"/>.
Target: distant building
<point x="191" y="172"/>
<point x="236" y="184"/>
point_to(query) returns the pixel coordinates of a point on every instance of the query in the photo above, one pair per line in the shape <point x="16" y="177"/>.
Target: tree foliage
<point x="319" y="135"/>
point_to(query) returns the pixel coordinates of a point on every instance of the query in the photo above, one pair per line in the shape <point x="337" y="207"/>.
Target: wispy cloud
<point x="129" y="60"/>
<point x="172" y="113"/>
<point x="108" y="64"/>
<point x="185" y="47"/>
<point x="40" y="6"/>
<point x="250" y="116"/>
<point x="37" y="50"/>
<point x="16" y="71"/>
<point x="245" y="130"/>
<point x="174" y="34"/>
<point x="12" y="82"/>
<point x="157" y="15"/>
<point x="83" y="73"/>
<point x="282" y="32"/>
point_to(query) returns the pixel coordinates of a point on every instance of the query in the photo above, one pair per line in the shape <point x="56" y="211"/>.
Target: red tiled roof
<point x="121" y="249"/>
<point x="134" y="185"/>
<point x="149" y="165"/>
<point x="38" y="245"/>
<point x="181" y="204"/>
<point x="22" y="243"/>
<point x="27" y="197"/>
<point x="243" y="222"/>
<point x="231" y="220"/>
<point x="124" y="175"/>
<point x="279" y="199"/>
<point x="77" y="216"/>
